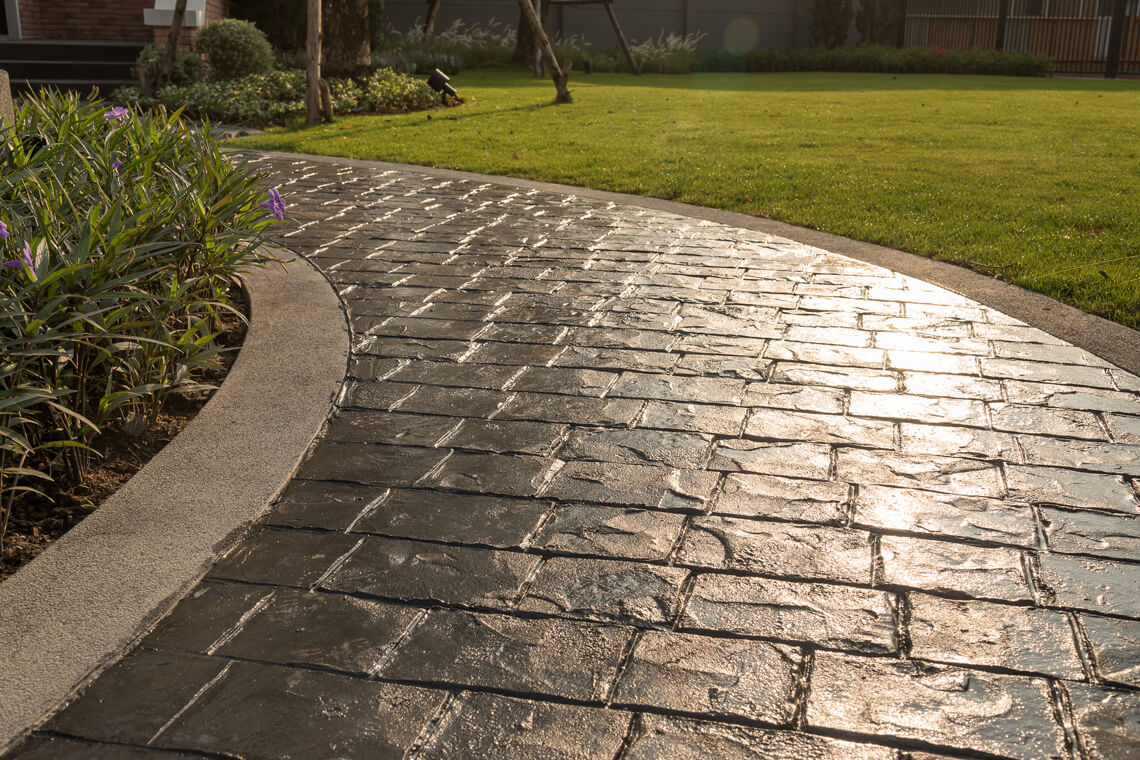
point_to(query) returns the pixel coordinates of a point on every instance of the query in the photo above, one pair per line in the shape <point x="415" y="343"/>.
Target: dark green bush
<point x="891" y="60"/>
<point x="274" y="98"/>
<point x="234" y="48"/>
<point x="721" y="60"/>
<point x="187" y="65"/>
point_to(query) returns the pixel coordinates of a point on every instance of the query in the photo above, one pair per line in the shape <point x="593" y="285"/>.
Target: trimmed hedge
<point x="891" y="60"/>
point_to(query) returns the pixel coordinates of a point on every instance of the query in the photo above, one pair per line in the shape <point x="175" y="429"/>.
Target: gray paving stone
<point x="57" y="748"/>
<point x="1112" y="458"/>
<point x="819" y="353"/>
<point x="616" y="359"/>
<point x="951" y="386"/>
<point x="633" y="485"/>
<point x="1084" y="583"/>
<point x="134" y="699"/>
<point x="685" y="450"/>
<point x="684" y="673"/>
<point x="611" y="532"/>
<point x="923" y="361"/>
<point x="1046" y="353"/>
<point x="416" y="571"/>
<point x="833" y="617"/>
<point x="796" y="460"/>
<point x="370" y="464"/>
<point x="1124" y="428"/>
<point x="1042" y="372"/>
<point x="954" y="569"/>
<point x="1071" y="397"/>
<point x="719" y="366"/>
<point x="284" y="557"/>
<point x="372" y="367"/>
<point x="900" y="406"/>
<point x="561" y="658"/>
<point x="437" y="329"/>
<point x="800" y="399"/>
<point x="1107" y="722"/>
<point x="714" y="390"/>
<point x="697" y="418"/>
<point x="968" y="477"/>
<point x="388" y="427"/>
<point x="497" y="474"/>
<point x="259" y="711"/>
<point x="1035" y="641"/>
<point x="851" y="377"/>
<point x="579" y="410"/>
<point x="898" y="341"/>
<point x="422" y="349"/>
<point x="1067" y="423"/>
<point x="1007" y="716"/>
<point x="452" y="402"/>
<point x="329" y="630"/>
<point x="778" y="549"/>
<point x="506" y="437"/>
<point x="322" y="504"/>
<point x="1086" y="532"/>
<point x="606" y="590"/>
<point x="765" y="496"/>
<point x="581" y="382"/>
<point x="780" y="424"/>
<point x="454" y="517"/>
<point x="465" y="375"/>
<point x="658" y="736"/>
<point x="1069" y="488"/>
<point x="1115" y="647"/>
<point x="945" y="515"/>
<point x="513" y="354"/>
<point x="374" y="395"/>
<point x="489" y="726"/>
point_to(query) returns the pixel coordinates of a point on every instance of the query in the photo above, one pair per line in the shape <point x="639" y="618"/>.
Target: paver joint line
<point x="610" y="481"/>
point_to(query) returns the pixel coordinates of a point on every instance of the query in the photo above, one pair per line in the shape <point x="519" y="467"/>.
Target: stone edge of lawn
<point x="93" y="593"/>
<point x="1108" y="340"/>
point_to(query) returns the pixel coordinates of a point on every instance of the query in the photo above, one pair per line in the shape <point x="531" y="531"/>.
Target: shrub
<point x="122" y="234"/>
<point x="234" y="49"/>
<point x="721" y="60"/>
<point x="877" y="21"/>
<point x="890" y="60"/>
<point x="187" y="65"/>
<point x="830" y="22"/>
<point x="274" y="98"/>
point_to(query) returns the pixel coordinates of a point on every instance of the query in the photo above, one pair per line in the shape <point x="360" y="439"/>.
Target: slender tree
<point x="877" y="21"/>
<point x="557" y="73"/>
<point x="526" y="43"/>
<point x="830" y="22"/>
<point x="347" y="44"/>
<point x="313" y="64"/>
<point x="172" y="41"/>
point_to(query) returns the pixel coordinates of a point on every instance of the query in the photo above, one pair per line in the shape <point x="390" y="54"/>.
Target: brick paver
<point x="611" y="483"/>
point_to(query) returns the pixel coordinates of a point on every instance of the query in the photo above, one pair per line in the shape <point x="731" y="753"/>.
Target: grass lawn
<point x="1036" y="181"/>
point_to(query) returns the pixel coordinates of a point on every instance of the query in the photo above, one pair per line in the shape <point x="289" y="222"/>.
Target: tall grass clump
<point x="122" y="234"/>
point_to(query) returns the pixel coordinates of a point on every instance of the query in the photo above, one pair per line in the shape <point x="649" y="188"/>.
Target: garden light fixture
<point x="438" y="81"/>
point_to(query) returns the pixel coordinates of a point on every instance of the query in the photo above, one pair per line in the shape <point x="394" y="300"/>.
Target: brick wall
<point x="84" y="20"/>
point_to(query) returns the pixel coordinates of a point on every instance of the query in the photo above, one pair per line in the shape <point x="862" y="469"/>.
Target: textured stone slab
<point x="134" y="699"/>
<point x="264" y="713"/>
<point x="581" y="382"/>
<point x="606" y="590"/>
<point x="1008" y="716"/>
<point x="968" y="477"/>
<point x="902" y="406"/>
<point x="829" y="355"/>
<point x="328" y="630"/>
<point x="700" y="390"/>
<point x="1115" y="646"/>
<point x="1066" y="423"/>
<point x="374" y="395"/>
<point x="616" y="358"/>
<point x="945" y="440"/>
<point x="1125" y="428"/>
<point x="795" y="398"/>
<point x="945" y="515"/>
<point x="500" y="474"/>
<point x="489" y="726"/>
<point x="1084" y="490"/>
<point x="411" y="570"/>
<point x="1071" y="397"/>
<point x="561" y="658"/>
<point x="513" y="355"/>
<point x="1107" y="722"/>
<point x="206" y="613"/>
<point x="658" y="736"/>
<point x="633" y="485"/>
<point x="321" y="504"/>
<point x="57" y="748"/>
<point x="850" y="377"/>
<point x="453" y="402"/>
<point x="1112" y="458"/>
<point x="741" y="368"/>
<point x="1032" y="640"/>
<point x="370" y="464"/>
<point x="388" y="427"/>
<point x="935" y="345"/>
<point x="956" y="569"/>
<point x="1089" y="584"/>
<point x="506" y="437"/>
<point x="833" y="617"/>
<point x="684" y="673"/>
<point x="685" y="450"/>
<point x="1085" y="532"/>
<point x="927" y="361"/>
<point x="779" y="424"/>
<point x="699" y="418"/>
<point x="796" y="460"/>
<point x="466" y="375"/>
<point x="951" y="386"/>
<point x="454" y="517"/>
<point x="1042" y="372"/>
<point x="778" y="549"/>
<point x="783" y="498"/>
<point x="579" y="410"/>
<point x="284" y="557"/>
<point x="611" y="532"/>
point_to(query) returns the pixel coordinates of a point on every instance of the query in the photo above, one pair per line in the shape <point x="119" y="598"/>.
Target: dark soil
<point x="37" y="521"/>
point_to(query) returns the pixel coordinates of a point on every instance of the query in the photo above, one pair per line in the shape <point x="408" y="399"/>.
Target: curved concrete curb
<point x="1108" y="340"/>
<point x="96" y="590"/>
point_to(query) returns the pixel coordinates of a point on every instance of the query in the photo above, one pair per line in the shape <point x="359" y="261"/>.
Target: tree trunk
<point x="172" y="41"/>
<point x="560" y="75"/>
<point x="526" y="44"/>
<point x="347" y="47"/>
<point x="313" y="64"/>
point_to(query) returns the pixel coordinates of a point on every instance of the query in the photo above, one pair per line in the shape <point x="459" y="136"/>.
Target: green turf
<point x="1036" y="181"/>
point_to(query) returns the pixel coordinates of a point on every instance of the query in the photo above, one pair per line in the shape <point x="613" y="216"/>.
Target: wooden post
<point x="1115" y="38"/>
<point x="621" y="37"/>
<point x="556" y="71"/>
<point x="429" y="24"/>
<point x="171" y="44"/>
<point x="1003" y="17"/>
<point x="313" y="64"/>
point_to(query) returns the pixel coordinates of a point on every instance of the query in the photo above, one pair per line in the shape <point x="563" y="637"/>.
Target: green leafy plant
<point x="877" y="21"/>
<point x="187" y="65"/>
<point x="830" y="22"/>
<point x="891" y="60"/>
<point x="120" y="235"/>
<point x="234" y="48"/>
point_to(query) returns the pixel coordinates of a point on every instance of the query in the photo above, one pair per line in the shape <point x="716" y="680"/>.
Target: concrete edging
<point x="1108" y="340"/>
<point x="73" y="609"/>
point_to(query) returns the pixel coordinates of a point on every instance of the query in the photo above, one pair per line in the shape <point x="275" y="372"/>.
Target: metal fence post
<point x="1115" y="38"/>
<point x="1003" y="15"/>
<point x="902" y="24"/>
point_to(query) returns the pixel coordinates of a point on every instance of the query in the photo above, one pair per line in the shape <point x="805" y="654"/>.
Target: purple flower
<point x="118" y="113"/>
<point x="275" y="204"/>
<point x="27" y="262"/>
<point x="116" y="165"/>
<point x="4" y="234"/>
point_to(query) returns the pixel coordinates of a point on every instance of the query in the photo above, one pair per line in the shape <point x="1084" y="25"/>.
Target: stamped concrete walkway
<point x="608" y="483"/>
